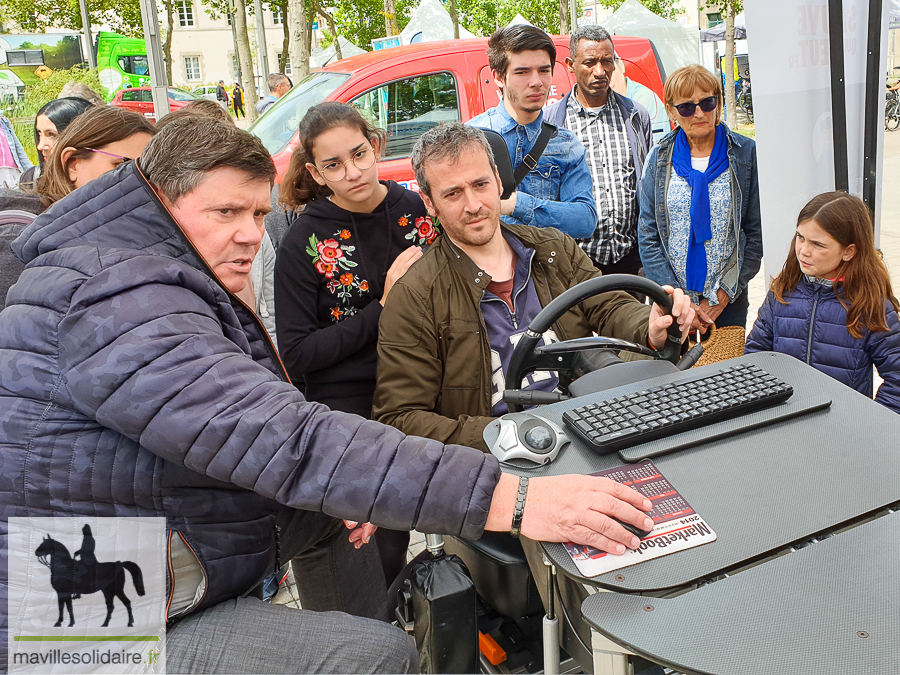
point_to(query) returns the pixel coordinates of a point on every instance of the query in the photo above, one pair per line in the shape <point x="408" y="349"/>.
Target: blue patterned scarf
<point x="701" y="231"/>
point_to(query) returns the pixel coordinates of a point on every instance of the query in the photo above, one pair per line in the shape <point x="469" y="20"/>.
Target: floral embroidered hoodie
<point x="329" y="275"/>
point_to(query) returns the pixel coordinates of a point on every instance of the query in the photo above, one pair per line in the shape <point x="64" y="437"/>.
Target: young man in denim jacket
<point x="558" y="192"/>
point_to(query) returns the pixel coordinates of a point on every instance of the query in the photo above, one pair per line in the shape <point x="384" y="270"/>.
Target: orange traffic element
<point x="494" y="653"/>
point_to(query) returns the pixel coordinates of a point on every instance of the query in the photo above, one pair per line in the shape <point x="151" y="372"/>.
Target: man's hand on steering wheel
<point x="682" y="311"/>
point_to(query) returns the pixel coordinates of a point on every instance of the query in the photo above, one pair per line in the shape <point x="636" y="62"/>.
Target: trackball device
<point x="527" y="436"/>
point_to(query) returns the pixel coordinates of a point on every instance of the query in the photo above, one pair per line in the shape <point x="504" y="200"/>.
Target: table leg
<point x="551" y="624"/>
<point x="608" y="657"/>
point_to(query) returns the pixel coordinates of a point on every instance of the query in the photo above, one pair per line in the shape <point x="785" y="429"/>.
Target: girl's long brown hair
<point x="298" y="187"/>
<point x="92" y="129"/>
<point x="862" y="284"/>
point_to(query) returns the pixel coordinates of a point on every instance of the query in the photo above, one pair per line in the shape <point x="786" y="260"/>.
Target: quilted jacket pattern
<point x="133" y="384"/>
<point x="813" y="328"/>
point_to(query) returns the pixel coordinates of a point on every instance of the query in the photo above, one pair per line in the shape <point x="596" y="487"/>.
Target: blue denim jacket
<point x="653" y="223"/>
<point x="558" y="192"/>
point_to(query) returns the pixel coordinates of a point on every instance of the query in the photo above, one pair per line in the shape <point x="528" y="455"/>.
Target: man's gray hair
<point x="276" y="79"/>
<point x="589" y="33"/>
<point x="446" y="142"/>
<point x="178" y="158"/>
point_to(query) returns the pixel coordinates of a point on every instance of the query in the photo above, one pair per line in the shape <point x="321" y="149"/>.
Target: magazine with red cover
<point x="676" y="526"/>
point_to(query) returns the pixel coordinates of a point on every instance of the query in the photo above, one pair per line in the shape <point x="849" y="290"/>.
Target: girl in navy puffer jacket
<point x="832" y="305"/>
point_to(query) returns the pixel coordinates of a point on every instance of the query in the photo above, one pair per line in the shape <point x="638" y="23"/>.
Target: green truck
<point x="121" y="62"/>
<point x="26" y="58"/>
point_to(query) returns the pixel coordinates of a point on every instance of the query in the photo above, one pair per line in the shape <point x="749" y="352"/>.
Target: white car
<point x="207" y="92"/>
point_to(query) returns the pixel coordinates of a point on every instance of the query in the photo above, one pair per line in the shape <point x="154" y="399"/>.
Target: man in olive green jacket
<point x="451" y="322"/>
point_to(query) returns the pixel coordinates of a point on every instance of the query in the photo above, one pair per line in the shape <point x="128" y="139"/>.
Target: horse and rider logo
<point x="72" y="576"/>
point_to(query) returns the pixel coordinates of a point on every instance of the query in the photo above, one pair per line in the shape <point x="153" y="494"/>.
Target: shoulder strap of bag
<point x="530" y="160"/>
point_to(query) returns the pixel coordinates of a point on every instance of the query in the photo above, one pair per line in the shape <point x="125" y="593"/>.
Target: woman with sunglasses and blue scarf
<point x="699" y="227"/>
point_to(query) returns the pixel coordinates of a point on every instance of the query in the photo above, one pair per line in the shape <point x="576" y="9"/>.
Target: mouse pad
<point x="676" y="526"/>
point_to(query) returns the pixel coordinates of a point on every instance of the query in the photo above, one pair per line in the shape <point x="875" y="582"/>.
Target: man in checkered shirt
<point x="617" y="136"/>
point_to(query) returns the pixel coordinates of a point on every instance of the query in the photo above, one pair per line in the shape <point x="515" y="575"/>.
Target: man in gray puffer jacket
<point x="135" y="382"/>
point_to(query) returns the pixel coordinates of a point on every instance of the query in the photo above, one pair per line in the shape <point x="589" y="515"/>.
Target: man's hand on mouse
<point x="682" y="311"/>
<point x="573" y="508"/>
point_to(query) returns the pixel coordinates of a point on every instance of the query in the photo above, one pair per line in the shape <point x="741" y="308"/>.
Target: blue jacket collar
<point x="507" y="123"/>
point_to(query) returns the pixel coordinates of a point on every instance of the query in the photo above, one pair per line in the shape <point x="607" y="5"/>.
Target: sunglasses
<point x="707" y="105"/>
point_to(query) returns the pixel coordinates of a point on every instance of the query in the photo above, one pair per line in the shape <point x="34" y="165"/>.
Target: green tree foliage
<point x="360" y="21"/>
<point x="667" y="9"/>
<point x="483" y="18"/>
<point x="35" y="16"/>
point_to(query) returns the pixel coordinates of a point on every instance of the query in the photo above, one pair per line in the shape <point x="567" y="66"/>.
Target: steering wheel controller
<point x="530" y="437"/>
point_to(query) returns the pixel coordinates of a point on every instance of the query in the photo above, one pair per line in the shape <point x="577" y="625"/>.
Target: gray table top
<point x="830" y="607"/>
<point x="762" y="490"/>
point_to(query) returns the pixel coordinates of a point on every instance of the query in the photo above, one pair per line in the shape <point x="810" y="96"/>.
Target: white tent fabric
<point x="519" y="20"/>
<point x="429" y="23"/>
<point x="677" y="45"/>
<point x="323" y="57"/>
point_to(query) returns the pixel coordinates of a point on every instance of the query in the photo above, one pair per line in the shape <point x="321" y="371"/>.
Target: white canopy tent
<point x="322" y="57"/>
<point x="519" y="20"/>
<point x="676" y="44"/>
<point x="430" y="22"/>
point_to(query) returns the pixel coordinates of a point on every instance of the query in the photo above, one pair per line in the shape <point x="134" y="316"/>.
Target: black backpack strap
<point x="530" y="160"/>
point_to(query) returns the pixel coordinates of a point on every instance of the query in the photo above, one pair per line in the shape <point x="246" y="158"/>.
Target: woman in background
<point x="699" y="225"/>
<point x="51" y="120"/>
<point x="98" y="141"/>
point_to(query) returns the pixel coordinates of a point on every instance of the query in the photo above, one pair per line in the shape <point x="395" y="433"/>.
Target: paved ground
<point x="890" y="247"/>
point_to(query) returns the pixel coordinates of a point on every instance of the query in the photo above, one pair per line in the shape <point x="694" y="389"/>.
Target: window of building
<point x="277" y="16"/>
<point x="714" y="18"/>
<point x="408" y="108"/>
<point x="192" y="68"/>
<point x="185" y="13"/>
<point x="287" y="63"/>
<point x="235" y="68"/>
<point x="230" y="19"/>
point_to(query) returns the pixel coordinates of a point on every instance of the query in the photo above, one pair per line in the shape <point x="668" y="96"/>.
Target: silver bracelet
<point x="520" y="507"/>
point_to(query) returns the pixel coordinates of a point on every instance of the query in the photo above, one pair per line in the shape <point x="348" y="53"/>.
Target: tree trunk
<point x="391" y="26"/>
<point x="730" y="102"/>
<point x="454" y="17"/>
<point x="245" y="59"/>
<point x="167" y="45"/>
<point x="299" y="38"/>
<point x="563" y="17"/>
<point x="334" y="33"/>
<point x="282" y="65"/>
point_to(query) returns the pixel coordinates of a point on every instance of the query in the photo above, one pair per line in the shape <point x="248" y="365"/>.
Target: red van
<point x="407" y="90"/>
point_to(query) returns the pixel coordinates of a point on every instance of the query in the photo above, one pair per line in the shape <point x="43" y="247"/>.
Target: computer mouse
<point x="526" y="436"/>
<point x="634" y="529"/>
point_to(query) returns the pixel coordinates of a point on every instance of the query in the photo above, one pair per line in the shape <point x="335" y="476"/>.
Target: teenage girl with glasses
<point x="699" y="226"/>
<point x="336" y="265"/>
<point x="832" y="306"/>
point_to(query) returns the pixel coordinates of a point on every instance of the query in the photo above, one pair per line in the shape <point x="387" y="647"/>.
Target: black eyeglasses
<point x="688" y="109"/>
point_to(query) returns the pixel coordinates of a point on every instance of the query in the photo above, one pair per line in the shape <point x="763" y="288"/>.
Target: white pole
<point x="261" y="40"/>
<point x="150" y="19"/>
<point x="88" y="40"/>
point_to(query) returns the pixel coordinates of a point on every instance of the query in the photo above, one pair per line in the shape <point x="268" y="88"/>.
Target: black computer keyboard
<point x="669" y="409"/>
